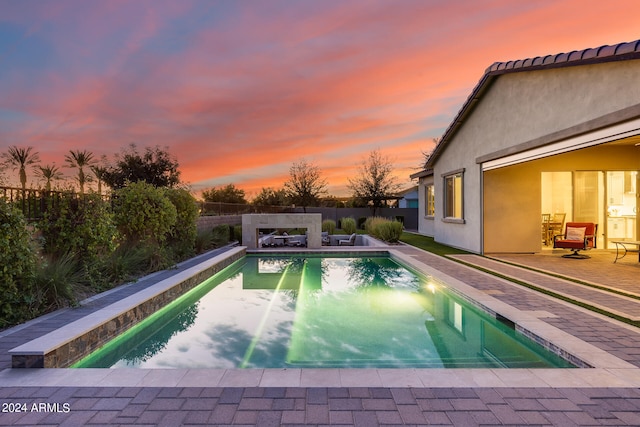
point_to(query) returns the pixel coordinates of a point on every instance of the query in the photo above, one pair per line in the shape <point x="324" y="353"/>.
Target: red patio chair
<point x="578" y="236"/>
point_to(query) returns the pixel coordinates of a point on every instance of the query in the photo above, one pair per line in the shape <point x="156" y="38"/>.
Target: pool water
<point x="313" y="311"/>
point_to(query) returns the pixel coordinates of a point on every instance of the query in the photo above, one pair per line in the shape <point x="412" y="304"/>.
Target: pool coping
<point x="66" y="345"/>
<point x="607" y="369"/>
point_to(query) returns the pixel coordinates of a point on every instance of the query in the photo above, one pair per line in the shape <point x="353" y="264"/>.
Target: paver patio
<point x="423" y="397"/>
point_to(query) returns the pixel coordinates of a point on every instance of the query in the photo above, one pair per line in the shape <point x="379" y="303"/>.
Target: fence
<point x="33" y="203"/>
<point x="220" y="209"/>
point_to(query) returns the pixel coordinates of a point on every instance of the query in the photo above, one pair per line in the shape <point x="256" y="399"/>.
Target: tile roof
<point x="602" y="54"/>
<point x="620" y="51"/>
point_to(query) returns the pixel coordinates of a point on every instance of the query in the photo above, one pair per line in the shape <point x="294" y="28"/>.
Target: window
<point x="453" y="208"/>
<point x="430" y="199"/>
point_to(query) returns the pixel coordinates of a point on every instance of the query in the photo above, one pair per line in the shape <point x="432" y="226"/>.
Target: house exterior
<point x="554" y="134"/>
<point x="409" y="198"/>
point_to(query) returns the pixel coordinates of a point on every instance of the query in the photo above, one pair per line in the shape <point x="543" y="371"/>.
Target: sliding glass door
<point x="608" y="198"/>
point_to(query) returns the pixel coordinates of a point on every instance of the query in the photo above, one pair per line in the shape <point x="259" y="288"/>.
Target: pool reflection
<point x="319" y="312"/>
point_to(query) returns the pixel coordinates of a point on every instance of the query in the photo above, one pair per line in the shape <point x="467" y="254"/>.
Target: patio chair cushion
<point x="576" y="233"/>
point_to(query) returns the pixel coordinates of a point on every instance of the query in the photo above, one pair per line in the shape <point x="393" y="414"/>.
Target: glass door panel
<point x="621" y="206"/>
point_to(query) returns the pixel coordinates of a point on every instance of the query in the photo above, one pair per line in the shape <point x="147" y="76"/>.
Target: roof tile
<point x="603" y="52"/>
<point x="625" y="48"/>
<point x="590" y="53"/>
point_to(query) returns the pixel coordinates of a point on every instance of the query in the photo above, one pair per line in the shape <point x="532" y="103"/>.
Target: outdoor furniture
<point x="556" y="224"/>
<point x="281" y="240"/>
<point x="578" y="236"/>
<point x="351" y="241"/>
<point x="326" y="240"/>
<point x="623" y="244"/>
<point x="546" y="236"/>
<point x="297" y="241"/>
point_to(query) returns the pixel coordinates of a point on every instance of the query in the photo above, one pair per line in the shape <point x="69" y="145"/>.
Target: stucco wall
<point x="517" y="108"/>
<point x="252" y="223"/>
<point x="512" y="198"/>
<point x="425" y="223"/>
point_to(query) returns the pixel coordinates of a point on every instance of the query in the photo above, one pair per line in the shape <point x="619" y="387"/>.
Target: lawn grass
<point x="429" y="245"/>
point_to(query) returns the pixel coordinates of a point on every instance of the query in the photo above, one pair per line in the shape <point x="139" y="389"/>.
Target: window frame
<point x="429" y="201"/>
<point x="449" y="211"/>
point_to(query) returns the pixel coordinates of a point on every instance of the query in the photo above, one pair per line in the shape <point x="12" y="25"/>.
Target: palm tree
<point x="49" y="173"/>
<point x="80" y="159"/>
<point x="99" y="172"/>
<point x="20" y="158"/>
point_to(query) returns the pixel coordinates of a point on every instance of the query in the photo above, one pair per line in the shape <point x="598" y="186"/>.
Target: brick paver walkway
<point x="625" y="306"/>
<point x="91" y="405"/>
<point x="366" y="407"/>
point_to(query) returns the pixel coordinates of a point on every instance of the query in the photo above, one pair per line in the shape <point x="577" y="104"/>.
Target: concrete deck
<point x="607" y="395"/>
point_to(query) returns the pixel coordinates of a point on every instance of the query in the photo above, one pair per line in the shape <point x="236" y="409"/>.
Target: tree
<point x="270" y="197"/>
<point x="20" y="158"/>
<point x="226" y="194"/>
<point x="305" y="186"/>
<point x="375" y="184"/>
<point x="80" y="159"/>
<point x="49" y="173"/>
<point x="155" y="166"/>
<point x="426" y="155"/>
<point x="100" y="172"/>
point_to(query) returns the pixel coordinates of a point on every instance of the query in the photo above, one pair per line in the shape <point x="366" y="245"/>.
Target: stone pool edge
<point x="577" y="351"/>
<point x="65" y="346"/>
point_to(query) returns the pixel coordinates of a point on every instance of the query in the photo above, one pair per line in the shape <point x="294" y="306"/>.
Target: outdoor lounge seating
<point x="351" y="241"/>
<point x="578" y="236"/>
<point x="326" y="240"/>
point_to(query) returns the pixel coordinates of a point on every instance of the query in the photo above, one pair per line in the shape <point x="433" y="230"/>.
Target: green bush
<point x="183" y="233"/>
<point x="144" y="213"/>
<point x="82" y="227"/>
<point x="204" y="241"/>
<point x="237" y="233"/>
<point x="126" y="262"/>
<point x="371" y="224"/>
<point x="348" y="225"/>
<point x="329" y="226"/>
<point x="384" y="229"/>
<point x="55" y="281"/>
<point x="17" y="268"/>
<point x="221" y="235"/>
<point x="361" y="222"/>
<point x="390" y="231"/>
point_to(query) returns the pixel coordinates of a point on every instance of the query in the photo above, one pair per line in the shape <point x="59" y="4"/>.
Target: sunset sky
<point x="239" y="90"/>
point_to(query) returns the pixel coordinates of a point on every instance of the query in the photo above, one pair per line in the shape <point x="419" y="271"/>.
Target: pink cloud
<point x="241" y="90"/>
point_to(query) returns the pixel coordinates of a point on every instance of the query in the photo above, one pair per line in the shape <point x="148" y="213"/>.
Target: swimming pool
<point x="320" y="311"/>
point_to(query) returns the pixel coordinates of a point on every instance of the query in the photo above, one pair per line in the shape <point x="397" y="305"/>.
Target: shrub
<point x="237" y="233"/>
<point x="361" y="222"/>
<point x="17" y="267"/>
<point x="144" y="213"/>
<point x="348" y="225"/>
<point x="390" y="231"/>
<point x="183" y="233"/>
<point x="82" y="227"/>
<point x="221" y="235"/>
<point x="127" y="261"/>
<point x="55" y="280"/>
<point x="384" y="229"/>
<point x="329" y="226"/>
<point x="204" y="241"/>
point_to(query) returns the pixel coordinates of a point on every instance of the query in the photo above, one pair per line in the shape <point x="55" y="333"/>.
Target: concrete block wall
<point x="208" y="222"/>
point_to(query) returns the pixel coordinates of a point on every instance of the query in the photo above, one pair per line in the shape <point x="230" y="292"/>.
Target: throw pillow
<point x="576" y="233"/>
